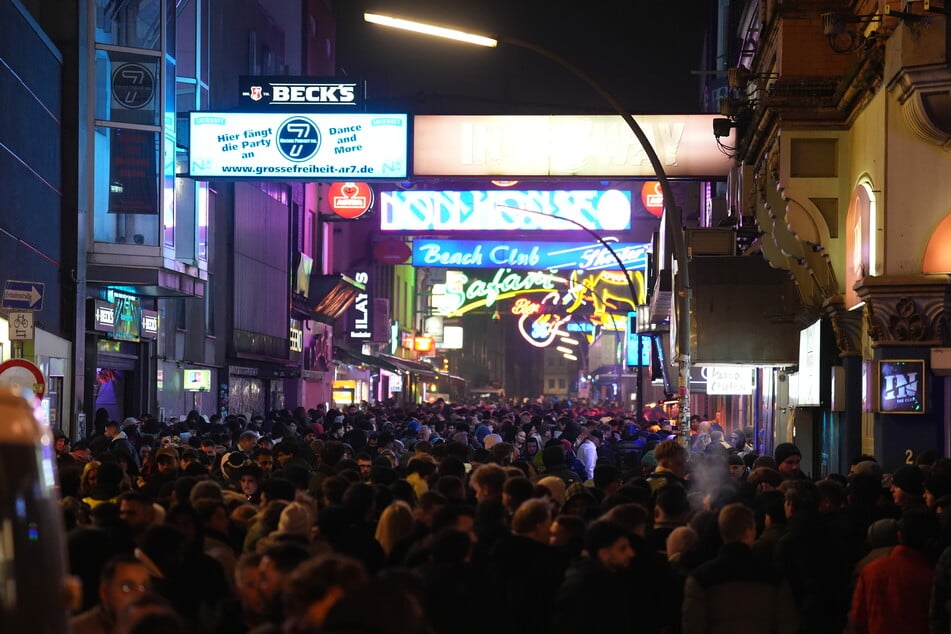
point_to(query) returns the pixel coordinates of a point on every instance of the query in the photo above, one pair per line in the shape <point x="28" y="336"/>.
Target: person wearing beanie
<point x="295" y="519"/>
<point x="908" y="487"/>
<point x="788" y="458"/>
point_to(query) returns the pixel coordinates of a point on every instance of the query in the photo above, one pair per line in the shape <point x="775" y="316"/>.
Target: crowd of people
<point x="439" y="519"/>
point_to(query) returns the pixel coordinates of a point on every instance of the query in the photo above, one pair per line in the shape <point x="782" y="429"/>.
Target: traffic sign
<point x="21" y="326"/>
<point x="21" y="375"/>
<point x="23" y="295"/>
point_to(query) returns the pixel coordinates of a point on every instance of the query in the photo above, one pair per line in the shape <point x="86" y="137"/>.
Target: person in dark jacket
<point x="580" y="606"/>
<point x="709" y="605"/>
<point x="527" y="570"/>
<point x="815" y="561"/>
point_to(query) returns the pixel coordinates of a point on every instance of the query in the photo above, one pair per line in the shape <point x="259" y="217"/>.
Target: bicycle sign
<point x="21" y="326"/>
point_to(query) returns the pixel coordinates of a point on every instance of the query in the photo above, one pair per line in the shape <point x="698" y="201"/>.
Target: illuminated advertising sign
<point x="127" y="324"/>
<point x="602" y="298"/>
<point x="901" y="386"/>
<point x="528" y="255"/>
<point x="150" y="324"/>
<point x="632" y="341"/>
<point x="565" y="145"/>
<point x="652" y="197"/>
<point x="303" y="145"/>
<point x="298" y="93"/>
<point x="505" y="210"/>
<point x="730" y="380"/>
<point x="296" y="339"/>
<point x="350" y="200"/>
<point x="359" y="316"/>
<point x="104" y="316"/>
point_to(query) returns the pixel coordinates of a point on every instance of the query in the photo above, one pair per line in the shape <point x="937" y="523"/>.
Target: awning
<point x="358" y="358"/>
<point x="408" y="365"/>
<point x="329" y="296"/>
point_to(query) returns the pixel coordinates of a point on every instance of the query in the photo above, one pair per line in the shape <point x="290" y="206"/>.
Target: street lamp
<point x="672" y="220"/>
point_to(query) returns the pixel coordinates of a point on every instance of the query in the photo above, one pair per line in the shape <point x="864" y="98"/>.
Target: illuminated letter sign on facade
<point x="297" y="146"/>
<point x="273" y="92"/>
<point x="349" y="199"/>
<point x="296" y="336"/>
<point x="359" y="319"/>
<point x="902" y="386"/>
<point x="505" y="210"/>
<point x="564" y="145"/>
<point x="104" y="316"/>
<point x="150" y="324"/>
<point x="527" y="255"/>
<point x="605" y="294"/>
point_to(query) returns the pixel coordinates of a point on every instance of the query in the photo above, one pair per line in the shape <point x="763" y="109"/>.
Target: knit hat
<point x="557" y="487"/>
<point x="784" y="450"/>
<point x="909" y="479"/>
<point x="295" y="519"/>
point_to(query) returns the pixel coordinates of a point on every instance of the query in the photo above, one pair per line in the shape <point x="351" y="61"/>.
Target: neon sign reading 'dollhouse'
<point x="505" y="210"/>
<point x="528" y="255"/>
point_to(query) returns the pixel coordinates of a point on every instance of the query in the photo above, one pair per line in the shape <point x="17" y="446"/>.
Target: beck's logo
<point x="313" y="93"/>
<point x="256" y="93"/>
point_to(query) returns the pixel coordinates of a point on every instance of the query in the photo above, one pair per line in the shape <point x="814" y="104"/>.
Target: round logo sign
<point x="298" y="139"/>
<point x="22" y="376"/>
<point x="133" y="86"/>
<point x="391" y="252"/>
<point x="653" y="198"/>
<point x="349" y="199"/>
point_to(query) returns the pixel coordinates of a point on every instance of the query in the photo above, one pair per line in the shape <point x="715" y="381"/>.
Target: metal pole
<point x="673" y="221"/>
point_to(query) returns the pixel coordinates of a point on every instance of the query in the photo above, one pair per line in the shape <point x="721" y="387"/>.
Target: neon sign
<point x="605" y="291"/>
<point x="542" y="330"/>
<point x="505" y="210"/>
<point x="528" y="255"/>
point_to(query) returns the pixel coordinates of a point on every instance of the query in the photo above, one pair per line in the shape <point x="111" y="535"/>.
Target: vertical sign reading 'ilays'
<point x="360" y="315"/>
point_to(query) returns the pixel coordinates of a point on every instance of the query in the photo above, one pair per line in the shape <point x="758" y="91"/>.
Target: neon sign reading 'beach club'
<point x="528" y="255"/>
<point x="505" y="210"/>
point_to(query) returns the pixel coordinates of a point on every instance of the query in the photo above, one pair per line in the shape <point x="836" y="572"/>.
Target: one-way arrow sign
<point x="23" y="295"/>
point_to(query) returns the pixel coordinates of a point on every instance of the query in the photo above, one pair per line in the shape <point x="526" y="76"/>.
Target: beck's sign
<point x="299" y="93"/>
<point x="480" y="254"/>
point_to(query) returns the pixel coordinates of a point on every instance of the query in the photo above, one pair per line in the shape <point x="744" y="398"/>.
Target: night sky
<point x="642" y="52"/>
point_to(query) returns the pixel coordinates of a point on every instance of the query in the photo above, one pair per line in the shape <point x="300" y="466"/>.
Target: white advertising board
<point x="287" y="146"/>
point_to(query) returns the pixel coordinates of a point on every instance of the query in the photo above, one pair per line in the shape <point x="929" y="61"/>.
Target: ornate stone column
<point x="907" y="310"/>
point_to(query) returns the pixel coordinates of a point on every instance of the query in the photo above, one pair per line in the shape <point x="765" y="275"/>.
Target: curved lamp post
<point x="672" y="219"/>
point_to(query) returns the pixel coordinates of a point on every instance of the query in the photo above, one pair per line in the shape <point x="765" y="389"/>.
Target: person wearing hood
<point x="119" y="441"/>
